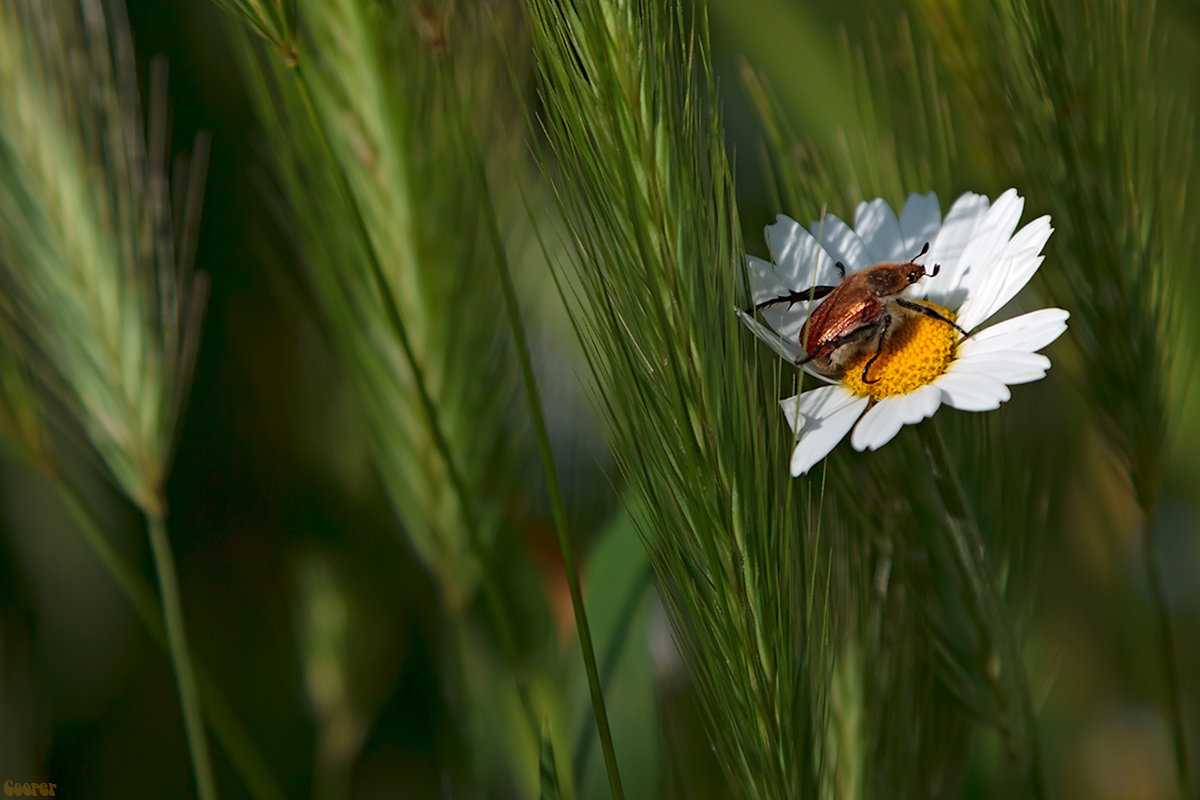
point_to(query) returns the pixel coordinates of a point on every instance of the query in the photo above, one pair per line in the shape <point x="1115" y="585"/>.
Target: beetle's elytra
<point x="859" y="310"/>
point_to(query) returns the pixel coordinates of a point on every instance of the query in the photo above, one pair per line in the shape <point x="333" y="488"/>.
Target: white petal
<point x="984" y="253"/>
<point x="984" y="288"/>
<point x="968" y="392"/>
<point x="815" y="404"/>
<point x="880" y="425"/>
<point x="799" y="260"/>
<point x="826" y="414"/>
<point x="883" y="421"/>
<point x="1027" y="333"/>
<point x="788" y="349"/>
<point x="920" y="404"/>
<point x="764" y="283"/>
<point x="1020" y="260"/>
<point x="876" y="224"/>
<point x="787" y="322"/>
<point x="785" y="319"/>
<point x="946" y="251"/>
<point x="1010" y="367"/>
<point x="919" y="222"/>
<point x="842" y="243"/>
<point x="877" y="427"/>
<point x="994" y="230"/>
<point x="1031" y="238"/>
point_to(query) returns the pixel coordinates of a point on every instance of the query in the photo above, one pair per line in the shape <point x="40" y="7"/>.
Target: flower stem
<point x="1166" y="643"/>
<point x="998" y="641"/>
<point x="227" y="729"/>
<point x="185" y="678"/>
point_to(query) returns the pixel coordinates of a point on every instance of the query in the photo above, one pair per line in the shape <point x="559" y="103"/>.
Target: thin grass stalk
<point x="561" y="527"/>
<point x="185" y="677"/>
<point x="547" y="768"/>
<point x="226" y="727"/>
<point x="596" y="674"/>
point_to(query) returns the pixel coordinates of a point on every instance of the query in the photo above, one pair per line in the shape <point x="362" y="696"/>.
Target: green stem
<point x="1166" y="643"/>
<point x="571" y="567"/>
<point x="234" y="740"/>
<point x="987" y="608"/>
<point x="185" y="678"/>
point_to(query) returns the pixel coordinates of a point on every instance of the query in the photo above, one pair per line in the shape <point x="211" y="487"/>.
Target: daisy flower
<point x="923" y="360"/>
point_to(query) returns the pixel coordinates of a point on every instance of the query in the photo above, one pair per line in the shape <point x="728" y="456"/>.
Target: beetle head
<point x="886" y="280"/>
<point x="911" y="272"/>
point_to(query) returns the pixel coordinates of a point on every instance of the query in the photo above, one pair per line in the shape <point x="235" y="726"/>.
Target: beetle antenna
<point x="841" y="268"/>
<point x="936" y="269"/>
<point x="924" y="250"/>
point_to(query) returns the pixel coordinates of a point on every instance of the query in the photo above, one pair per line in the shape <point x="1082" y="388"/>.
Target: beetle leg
<point x="929" y="312"/>
<point x="885" y="323"/>
<point x="814" y="293"/>
<point x="830" y="346"/>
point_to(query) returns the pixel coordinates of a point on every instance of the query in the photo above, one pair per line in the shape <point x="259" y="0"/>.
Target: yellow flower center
<point x="914" y="355"/>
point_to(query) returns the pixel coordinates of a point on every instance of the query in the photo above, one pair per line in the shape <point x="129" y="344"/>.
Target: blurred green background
<point x="274" y="500"/>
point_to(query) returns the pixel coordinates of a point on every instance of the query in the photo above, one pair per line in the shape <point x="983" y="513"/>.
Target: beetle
<point x="861" y="308"/>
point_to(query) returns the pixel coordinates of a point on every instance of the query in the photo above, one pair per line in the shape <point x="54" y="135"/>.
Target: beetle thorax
<point x="891" y="280"/>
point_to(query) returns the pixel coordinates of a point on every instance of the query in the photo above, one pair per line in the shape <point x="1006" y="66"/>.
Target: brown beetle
<point x="861" y="308"/>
